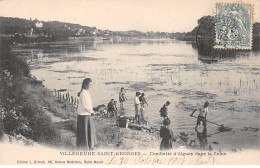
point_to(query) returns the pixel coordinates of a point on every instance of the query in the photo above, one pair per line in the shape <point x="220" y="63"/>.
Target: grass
<point x="108" y="133"/>
<point x="23" y="101"/>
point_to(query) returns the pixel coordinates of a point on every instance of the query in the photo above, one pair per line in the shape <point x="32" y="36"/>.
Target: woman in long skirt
<point x="86" y="132"/>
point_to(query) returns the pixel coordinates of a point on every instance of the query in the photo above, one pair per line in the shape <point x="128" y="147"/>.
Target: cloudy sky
<point x="143" y="15"/>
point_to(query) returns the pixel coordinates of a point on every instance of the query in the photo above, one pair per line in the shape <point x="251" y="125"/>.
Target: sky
<point x="119" y="15"/>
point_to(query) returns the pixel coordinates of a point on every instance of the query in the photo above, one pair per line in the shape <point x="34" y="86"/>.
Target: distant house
<point x="80" y="32"/>
<point x="38" y="24"/>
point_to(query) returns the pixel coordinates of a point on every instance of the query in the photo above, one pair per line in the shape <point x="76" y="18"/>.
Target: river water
<point x="165" y="70"/>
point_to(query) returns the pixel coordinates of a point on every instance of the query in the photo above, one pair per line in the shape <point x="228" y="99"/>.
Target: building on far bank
<point x="38" y="24"/>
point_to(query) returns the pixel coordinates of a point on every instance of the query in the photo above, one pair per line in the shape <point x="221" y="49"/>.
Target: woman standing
<point x="86" y="132"/>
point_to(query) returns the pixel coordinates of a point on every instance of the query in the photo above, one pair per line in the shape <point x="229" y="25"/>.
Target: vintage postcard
<point x="129" y="82"/>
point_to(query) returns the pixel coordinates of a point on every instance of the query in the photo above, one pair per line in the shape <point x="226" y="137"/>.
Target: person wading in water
<point x="202" y="117"/>
<point x="164" y="110"/>
<point x="86" y="132"/>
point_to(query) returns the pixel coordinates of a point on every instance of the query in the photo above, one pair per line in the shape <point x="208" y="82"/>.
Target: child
<point x="164" y="110"/>
<point x="202" y="117"/>
<point x="166" y="134"/>
<point x="115" y="110"/>
<point x="122" y="98"/>
<point x="143" y="102"/>
<point x="137" y="107"/>
<point x="111" y="108"/>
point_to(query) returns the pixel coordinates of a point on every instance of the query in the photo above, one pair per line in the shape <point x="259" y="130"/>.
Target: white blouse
<point x="203" y="112"/>
<point x="136" y="100"/>
<point x="85" y="106"/>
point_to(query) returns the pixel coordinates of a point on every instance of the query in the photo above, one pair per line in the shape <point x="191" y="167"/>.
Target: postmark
<point x="233" y="28"/>
<point x="205" y="37"/>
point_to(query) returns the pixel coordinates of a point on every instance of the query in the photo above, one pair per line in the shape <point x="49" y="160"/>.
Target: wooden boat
<point x="208" y="58"/>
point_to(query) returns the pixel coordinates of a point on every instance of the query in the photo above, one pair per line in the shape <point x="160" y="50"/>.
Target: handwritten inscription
<point x="157" y="160"/>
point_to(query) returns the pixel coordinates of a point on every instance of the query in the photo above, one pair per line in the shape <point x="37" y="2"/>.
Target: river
<point x="165" y="70"/>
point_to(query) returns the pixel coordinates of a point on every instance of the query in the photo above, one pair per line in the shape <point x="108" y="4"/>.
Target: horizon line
<point x="92" y="26"/>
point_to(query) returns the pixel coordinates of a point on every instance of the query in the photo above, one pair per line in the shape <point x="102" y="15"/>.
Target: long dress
<point x="86" y="131"/>
<point x="166" y="134"/>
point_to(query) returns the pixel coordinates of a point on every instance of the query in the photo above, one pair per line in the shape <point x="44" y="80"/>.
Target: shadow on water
<point x="219" y="54"/>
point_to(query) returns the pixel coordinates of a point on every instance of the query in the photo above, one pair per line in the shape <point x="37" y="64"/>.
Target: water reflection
<point x="67" y="48"/>
<point x="202" y="137"/>
<point x="219" y="54"/>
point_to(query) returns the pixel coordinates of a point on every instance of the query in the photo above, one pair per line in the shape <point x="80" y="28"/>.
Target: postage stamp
<point x="233" y="29"/>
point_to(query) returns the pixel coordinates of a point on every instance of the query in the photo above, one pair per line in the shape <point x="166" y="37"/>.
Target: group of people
<point x="139" y="103"/>
<point x="112" y="110"/>
<point x="166" y="133"/>
<point x="112" y="107"/>
<point x="86" y="133"/>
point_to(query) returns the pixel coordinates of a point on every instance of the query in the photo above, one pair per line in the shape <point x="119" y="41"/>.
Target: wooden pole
<point x="72" y="99"/>
<point x="210" y="122"/>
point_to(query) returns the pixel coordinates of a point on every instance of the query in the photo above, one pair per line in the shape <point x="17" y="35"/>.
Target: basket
<point x="123" y="122"/>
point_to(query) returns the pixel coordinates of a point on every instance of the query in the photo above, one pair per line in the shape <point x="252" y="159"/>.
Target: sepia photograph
<point x="129" y="82"/>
